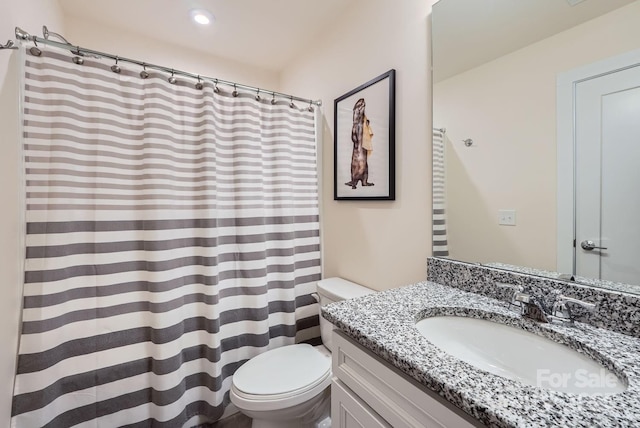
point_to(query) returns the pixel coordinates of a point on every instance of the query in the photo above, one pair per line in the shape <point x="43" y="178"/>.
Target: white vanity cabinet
<point x="368" y="392"/>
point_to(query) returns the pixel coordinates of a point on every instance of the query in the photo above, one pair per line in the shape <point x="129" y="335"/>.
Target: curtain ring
<point x="116" y="68"/>
<point x="215" y="87"/>
<point x="291" y="104"/>
<point x="144" y="73"/>
<point x="310" y="106"/>
<point x="235" y="91"/>
<point x="199" y="84"/>
<point x="35" y="51"/>
<point x="78" y="58"/>
<point x="172" y="79"/>
<point x="258" y="97"/>
<point x="273" y="98"/>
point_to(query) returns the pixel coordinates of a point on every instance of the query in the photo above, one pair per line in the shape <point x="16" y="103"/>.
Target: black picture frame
<point x="364" y="141"/>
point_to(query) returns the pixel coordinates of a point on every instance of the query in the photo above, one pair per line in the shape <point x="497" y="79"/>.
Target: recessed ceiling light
<point x="201" y="16"/>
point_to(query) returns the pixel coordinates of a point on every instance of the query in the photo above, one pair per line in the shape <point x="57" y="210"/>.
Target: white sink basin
<point x="519" y="355"/>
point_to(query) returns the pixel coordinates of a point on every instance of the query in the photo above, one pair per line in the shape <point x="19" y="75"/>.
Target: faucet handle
<point x="563" y="311"/>
<point x="563" y="300"/>
<point x="521" y="297"/>
<point x="516" y="289"/>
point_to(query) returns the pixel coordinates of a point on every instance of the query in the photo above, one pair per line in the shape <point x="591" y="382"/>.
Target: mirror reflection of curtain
<point x="440" y="246"/>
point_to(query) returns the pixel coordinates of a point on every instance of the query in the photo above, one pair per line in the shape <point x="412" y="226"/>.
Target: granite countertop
<point x="385" y="324"/>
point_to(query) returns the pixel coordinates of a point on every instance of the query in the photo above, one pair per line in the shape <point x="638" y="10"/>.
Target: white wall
<point x="508" y="107"/>
<point x="116" y="41"/>
<point x="30" y="15"/>
<point x="378" y="244"/>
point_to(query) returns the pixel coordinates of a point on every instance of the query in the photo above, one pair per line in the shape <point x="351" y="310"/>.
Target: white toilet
<point x="289" y="387"/>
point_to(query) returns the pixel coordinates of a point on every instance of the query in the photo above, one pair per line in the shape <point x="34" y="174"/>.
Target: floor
<point x="236" y="421"/>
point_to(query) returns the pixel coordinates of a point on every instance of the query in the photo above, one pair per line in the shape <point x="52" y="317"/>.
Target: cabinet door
<point x="348" y="411"/>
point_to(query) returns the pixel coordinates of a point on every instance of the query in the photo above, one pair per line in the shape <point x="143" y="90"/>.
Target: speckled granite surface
<point x="592" y="282"/>
<point x="615" y="310"/>
<point x="385" y="324"/>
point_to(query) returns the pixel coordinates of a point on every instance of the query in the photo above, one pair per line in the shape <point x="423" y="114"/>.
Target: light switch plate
<point x="507" y="217"/>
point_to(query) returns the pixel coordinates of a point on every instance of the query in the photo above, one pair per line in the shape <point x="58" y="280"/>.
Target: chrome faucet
<point x="534" y="308"/>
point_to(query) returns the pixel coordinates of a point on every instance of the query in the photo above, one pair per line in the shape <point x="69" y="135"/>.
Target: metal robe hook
<point x="35" y="51"/>
<point x="144" y="74"/>
<point x="199" y="84"/>
<point x="115" y="67"/>
<point x="172" y="79"/>
<point x="273" y="98"/>
<point x="468" y="142"/>
<point x="235" y="91"/>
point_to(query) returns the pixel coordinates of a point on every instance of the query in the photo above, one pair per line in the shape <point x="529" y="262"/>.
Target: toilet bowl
<point x="289" y="387"/>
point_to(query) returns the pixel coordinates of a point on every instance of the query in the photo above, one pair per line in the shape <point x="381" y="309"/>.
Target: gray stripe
<point x="123" y="225"/>
<point x="34" y="327"/>
<point x="34" y="362"/>
<point x="439" y="232"/>
<point x="167" y="167"/>
<point x="301" y="128"/>
<point x="34" y="400"/>
<point x="139" y="155"/>
<point x="438" y="211"/>
<point x="136" y="132"/>
<point x="136" y="398"/>
<point x="94" y="207"/>
<point x="45" y="300"/>
<point x="439" y="243"/>
<point x="300" y="150"/>
<point x="299" y="178"/>
<point x="172" y="244"/>
<point x="164" y="265"/>
<point x="233" y="122"/>
<point x="435" y="223"/>
<point x="441" y="253"/>
<point x="172" y="187"/>
<point x="279" y="197"/>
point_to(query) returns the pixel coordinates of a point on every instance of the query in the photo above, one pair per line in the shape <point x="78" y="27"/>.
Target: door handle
<point x="590" y="245"/>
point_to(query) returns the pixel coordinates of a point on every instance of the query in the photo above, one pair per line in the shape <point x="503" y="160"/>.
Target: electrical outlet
<point x="507" y="217"/>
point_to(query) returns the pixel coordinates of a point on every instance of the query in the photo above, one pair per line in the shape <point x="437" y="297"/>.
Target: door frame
<point x="566" y="142"/>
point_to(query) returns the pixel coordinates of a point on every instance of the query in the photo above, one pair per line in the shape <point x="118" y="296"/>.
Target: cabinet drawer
<point x="349" y="411"/>
<point x="398" y="399"/>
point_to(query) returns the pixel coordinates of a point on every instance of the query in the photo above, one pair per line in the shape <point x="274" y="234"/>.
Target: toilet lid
<point x="282" y="370"/>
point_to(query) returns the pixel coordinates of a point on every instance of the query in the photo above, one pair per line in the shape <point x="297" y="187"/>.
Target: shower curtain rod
<point x="77" y="50"/>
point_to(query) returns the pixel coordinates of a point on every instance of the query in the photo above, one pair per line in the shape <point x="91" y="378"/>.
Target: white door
<point x="607" y="162"/>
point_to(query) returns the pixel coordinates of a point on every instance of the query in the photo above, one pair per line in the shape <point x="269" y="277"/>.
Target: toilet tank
<point x="334" y="290"/>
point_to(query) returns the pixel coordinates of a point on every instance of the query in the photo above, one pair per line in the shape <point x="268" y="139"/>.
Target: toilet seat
<point x="280" y="378"/>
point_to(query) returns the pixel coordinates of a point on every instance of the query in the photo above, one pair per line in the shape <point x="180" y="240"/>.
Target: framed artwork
<point x="364" y="141"/>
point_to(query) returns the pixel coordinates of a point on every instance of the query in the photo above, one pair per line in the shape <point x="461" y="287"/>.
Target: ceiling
<point x="468" y="33"/>
<point x="262" y="33"/>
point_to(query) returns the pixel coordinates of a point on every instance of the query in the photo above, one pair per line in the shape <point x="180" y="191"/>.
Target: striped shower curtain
<point x="172" y="234"/>
<point x="439" y="232"/>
